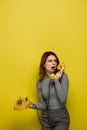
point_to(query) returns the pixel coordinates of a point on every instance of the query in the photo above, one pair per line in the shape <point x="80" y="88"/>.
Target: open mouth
<point x="53" y="67"/>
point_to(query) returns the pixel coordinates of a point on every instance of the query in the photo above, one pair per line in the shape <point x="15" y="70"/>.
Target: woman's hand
<point x="58" y="75"/>
<point x="28" y="103"/>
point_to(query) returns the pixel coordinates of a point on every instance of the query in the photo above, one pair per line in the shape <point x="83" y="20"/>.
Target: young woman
<point x="52" y="94"/>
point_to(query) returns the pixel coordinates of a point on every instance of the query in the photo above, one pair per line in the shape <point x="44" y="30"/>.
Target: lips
<point x="53" y="67"/>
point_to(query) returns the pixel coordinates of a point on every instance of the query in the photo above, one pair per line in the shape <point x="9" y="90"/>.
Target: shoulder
<point x="42" y="83"/>
<point x="38" y="84"/>
<point x="65" y="76"/>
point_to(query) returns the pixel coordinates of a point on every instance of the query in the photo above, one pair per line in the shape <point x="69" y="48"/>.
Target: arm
<point x="42" y="104"/>
<point x="62" y="88"/>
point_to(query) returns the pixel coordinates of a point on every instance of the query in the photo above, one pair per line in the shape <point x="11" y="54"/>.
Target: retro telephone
<point x="61" y="67"/>
<point x="21" y="104"/>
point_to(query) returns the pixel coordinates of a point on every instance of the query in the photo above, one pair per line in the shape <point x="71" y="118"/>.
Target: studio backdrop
<point x="27" y="29"/>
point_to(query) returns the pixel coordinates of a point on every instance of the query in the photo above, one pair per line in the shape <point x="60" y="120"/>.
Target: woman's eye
<point x="52" y="60"/>
<point x="55" y="60"/>
<point x="49" y="60"/>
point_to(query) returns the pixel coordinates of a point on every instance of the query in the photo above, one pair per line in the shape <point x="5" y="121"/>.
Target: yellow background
<point x="27" y="29"/>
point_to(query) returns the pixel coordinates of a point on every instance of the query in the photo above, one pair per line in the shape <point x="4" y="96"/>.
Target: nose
<point x="53" y="62"/>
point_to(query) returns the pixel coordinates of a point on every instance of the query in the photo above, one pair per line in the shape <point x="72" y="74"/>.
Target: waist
<point x="55" y="106"/>
<point x="59" y="110"/>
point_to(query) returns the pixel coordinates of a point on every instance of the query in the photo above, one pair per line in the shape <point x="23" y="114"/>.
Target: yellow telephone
<point x="61" y="67"/>
<point x="21" y="104"/>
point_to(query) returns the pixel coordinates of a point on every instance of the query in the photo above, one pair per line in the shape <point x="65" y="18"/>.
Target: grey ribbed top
<point x="58" y="93"/>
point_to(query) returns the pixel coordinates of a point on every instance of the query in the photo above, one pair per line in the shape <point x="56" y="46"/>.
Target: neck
<point x="48" y="74"/>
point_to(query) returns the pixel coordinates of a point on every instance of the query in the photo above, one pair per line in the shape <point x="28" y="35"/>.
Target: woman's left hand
<point x="58" y="75"/>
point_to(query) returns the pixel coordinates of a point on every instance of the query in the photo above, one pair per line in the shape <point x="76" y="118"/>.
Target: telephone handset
<point x="61" y="67"/>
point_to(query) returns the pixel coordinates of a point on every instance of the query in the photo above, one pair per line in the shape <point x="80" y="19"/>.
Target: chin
<point x="52" y="72"/>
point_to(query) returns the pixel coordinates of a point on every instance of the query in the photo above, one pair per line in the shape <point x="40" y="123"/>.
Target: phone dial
<point x="21" y="104"/>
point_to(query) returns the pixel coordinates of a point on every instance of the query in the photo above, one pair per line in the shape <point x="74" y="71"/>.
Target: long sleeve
<point x="42" y="104"/>
<point x="56" y="93"/>
<point x="62" y="88"/>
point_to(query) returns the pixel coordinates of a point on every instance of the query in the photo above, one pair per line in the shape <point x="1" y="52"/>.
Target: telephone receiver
<point x="60" y="67"/>
<point x="21" y="104"/>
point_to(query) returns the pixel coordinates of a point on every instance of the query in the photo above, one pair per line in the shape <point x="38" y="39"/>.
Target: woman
<point x="52" y="94"/>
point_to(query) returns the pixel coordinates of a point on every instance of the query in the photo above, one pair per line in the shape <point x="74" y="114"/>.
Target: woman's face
<point x="50" y="64"/>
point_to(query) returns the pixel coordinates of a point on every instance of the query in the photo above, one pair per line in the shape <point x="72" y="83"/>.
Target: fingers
<point x="58" y="75"/>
